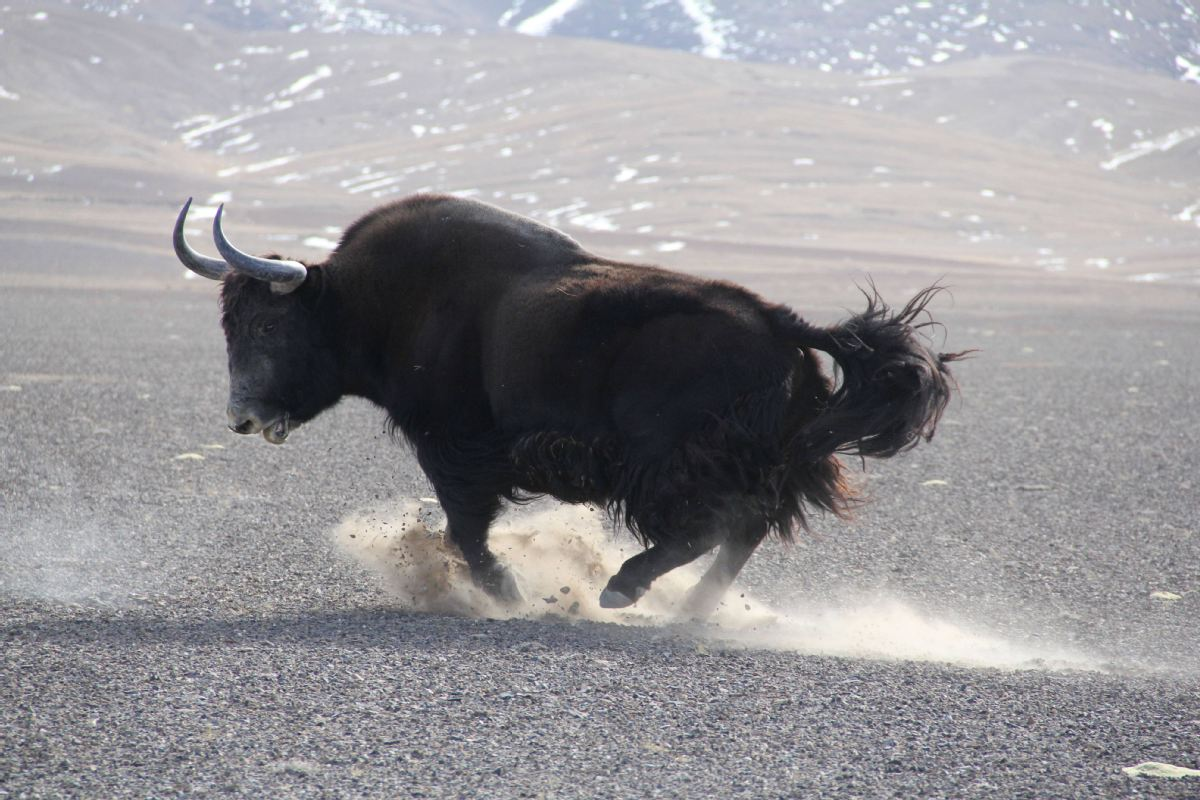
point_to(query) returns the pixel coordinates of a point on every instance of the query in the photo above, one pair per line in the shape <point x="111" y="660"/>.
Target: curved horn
<point x="209" y="267"/>
<point x="284" y="276"/>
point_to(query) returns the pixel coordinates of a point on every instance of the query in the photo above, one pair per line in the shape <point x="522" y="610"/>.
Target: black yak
<point x="518" y="364"/>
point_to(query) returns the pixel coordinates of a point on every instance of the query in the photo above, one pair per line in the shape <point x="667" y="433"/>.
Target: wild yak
<point x="518" y="364"/>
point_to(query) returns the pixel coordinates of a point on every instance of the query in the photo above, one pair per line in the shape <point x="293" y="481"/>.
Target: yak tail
<point x="893" y="388"/>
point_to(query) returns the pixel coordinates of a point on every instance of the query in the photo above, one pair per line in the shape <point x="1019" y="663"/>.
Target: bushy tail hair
<point x="893" y="388"/>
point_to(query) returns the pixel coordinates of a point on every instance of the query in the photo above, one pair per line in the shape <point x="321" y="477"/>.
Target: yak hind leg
<point x="637" y="573"/>
<point x="704" y="597"/>
<point x="634" y="577"/>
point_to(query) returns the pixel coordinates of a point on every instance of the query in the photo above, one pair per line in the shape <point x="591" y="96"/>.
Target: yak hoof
<point x="617" y="596"/>
<point x="499" y="583"/>
<point x="611" y="598"/>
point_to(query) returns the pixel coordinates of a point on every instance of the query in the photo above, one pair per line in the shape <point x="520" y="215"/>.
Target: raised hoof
<point x="499" y="583"/>
<point x="611" y="598"/>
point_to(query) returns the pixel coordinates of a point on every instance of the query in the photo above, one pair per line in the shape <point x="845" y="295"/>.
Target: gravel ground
<point x="175" y="619"/>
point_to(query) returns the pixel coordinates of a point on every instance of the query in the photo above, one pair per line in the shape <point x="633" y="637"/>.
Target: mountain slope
<point x="705" y="162"/>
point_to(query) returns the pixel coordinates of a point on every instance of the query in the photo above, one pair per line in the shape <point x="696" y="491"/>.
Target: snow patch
<point x="597" y="221"/>
<point x="1160" y="145"/>
<point x="391" y="77"/>
<point x="1105" y="127"/>
<point x="320" y="243"/>
<point x="263" y="166"/>
<point x="1189" y="214"/>
<point x="1191" y="72"/>
<point x="298" y="86"/>
<point x="711" y="30"/>
<point x="1187" y="277"/>
<point x="543" y="22"/>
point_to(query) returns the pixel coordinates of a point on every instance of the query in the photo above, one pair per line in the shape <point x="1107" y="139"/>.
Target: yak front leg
<point x="470" y="509"/>
<point x="468" y="530"/>
<point x="704" y="597"/>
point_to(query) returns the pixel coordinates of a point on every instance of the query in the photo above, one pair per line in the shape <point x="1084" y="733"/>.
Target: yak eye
<point x="267" y="327"/>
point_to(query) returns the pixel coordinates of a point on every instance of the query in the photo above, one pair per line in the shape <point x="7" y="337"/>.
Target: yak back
<point x="438" y="232"/>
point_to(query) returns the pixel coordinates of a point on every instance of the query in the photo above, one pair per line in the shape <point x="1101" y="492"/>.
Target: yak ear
<point x="313" y="288"/>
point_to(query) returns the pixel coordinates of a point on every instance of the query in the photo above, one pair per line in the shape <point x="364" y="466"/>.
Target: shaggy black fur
<point x="518" y="364"/>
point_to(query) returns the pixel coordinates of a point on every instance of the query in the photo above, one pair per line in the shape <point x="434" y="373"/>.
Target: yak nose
<point x="241" y="421"/>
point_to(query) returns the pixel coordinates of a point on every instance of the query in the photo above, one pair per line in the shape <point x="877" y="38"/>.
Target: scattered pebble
<point x="297" y="766"/>
<point x="189" y="457"/>
<point x="1157" y="769"/>
<point x="1168" y="596"/>
<point x="935" y="482"/>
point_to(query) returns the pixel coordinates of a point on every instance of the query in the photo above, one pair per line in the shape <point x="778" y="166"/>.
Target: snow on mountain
<point x="890" y="136"/>
<point x="542" y="23"/>
<point x="865" y="37"/>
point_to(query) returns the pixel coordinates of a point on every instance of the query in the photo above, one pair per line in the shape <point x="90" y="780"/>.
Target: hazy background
<point x="1009" y="140"/>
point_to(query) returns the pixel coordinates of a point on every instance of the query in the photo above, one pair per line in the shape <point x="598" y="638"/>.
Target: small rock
<point x="1168" y="596"/>
<point x="297" y="766"/>
<point x="1157" y="769"/>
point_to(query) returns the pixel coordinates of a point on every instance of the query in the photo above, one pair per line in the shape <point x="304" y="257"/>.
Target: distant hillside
<point x="863" y="37"/>
<point x="113" y="113"/>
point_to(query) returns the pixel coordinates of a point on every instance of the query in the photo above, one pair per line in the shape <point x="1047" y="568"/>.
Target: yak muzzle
<point x="274" y="428"/>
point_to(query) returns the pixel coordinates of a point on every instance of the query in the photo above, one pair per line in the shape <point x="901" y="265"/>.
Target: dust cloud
<point x="72" y="561"/>
<point x="563" y="556"/>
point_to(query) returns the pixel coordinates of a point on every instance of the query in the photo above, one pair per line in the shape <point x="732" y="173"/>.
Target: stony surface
<point x="177" y="620"/>
<point x="179" y="626"/>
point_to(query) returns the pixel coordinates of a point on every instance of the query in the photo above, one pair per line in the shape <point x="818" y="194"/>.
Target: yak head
<point x="282" y="366"/>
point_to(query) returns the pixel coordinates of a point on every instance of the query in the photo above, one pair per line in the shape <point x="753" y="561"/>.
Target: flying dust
<point x="72" y="560"/>
<point x="562" y="557"/>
